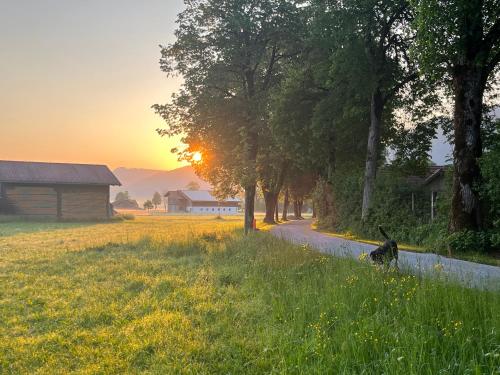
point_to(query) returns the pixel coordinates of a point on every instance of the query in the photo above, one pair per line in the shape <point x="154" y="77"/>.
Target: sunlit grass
<point x="192" y="295"/>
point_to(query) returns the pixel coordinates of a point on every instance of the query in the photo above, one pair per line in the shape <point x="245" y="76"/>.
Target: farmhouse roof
<point x="435" y="172"/>
<point x="56" y="173"/>
<point x="432" y="173"/>
<point x="201" y="196"/>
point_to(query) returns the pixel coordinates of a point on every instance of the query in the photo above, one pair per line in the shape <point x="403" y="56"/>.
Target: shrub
<point x="338" y="206"/>
<point x="490" y="192"/>
<point x="470" y="241"/>
<point x="126" y="216"/>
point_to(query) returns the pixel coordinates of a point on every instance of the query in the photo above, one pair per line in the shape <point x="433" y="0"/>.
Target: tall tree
<point x="148" y="205"/>
<point x="156" y="199"/>
<point x="229" y="53"/>
<point x="193" y="185"/>
<point x="368" y="43"/>
<point x="122" y="196"/>
<point x="320" y="111"/>
<point x="384" y="27"/>
<point x="459" y="45"/>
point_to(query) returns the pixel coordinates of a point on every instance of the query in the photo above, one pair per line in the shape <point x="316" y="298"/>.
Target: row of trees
<point x="124" y="196"/>
<point x="289" y="94"/>
<point x="154" y="202"/>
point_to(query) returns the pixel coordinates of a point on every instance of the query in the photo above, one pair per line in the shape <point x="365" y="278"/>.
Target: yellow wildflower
<point x="363" y="256"/>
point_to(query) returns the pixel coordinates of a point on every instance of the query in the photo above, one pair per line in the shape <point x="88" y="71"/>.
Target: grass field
<point x="192" y="295"/>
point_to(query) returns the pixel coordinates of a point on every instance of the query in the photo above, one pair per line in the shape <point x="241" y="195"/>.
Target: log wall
<point x="31" y="200"/>
<point x="58" y="201"/>
<point x="84" y="202"/>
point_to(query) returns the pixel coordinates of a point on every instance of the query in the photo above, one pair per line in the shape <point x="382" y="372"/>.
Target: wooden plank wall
<point x="66" y="202"/>
<point x="84" y="202"/>
<point x="32" y="200"/>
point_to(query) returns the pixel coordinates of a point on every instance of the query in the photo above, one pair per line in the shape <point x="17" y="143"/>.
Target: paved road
<point x="468" y="273"/>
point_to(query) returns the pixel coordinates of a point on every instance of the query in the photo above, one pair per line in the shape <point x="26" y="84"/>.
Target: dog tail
<point x="383" y="232"/>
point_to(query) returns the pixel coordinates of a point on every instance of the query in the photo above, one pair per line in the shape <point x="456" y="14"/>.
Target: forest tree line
<point x="303" y="99"/>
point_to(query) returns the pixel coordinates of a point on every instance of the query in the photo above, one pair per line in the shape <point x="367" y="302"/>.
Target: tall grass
<point x="198" y="297"/>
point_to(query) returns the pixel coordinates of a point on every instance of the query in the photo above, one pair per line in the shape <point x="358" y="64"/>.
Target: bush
<point x="490" y="193"/>
<point x="126" y="216"/>
<point x="391" y="207"/>
<point x="338" y="206"/>
<point x="471" y="241"/>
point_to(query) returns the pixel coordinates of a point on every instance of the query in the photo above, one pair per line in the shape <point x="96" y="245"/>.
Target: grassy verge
<point x="472" y="256"/>
<point x="192" y="295"/>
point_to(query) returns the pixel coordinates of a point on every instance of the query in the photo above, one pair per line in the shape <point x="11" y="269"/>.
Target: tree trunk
<point x="270" y="201"/>
<point x="465" y="207"/>
<point x="252" y="148"/>
<point x="277" y="211"/>
<point x="314" y="211"/>
<point x="286" y="203"/>
<point x="249" y="207"/>
<point x="297" y="208"/>
<point x="372" y="150"/>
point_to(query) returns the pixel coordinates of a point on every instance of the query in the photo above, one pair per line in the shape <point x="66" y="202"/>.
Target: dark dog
<point x="387" y="252"/>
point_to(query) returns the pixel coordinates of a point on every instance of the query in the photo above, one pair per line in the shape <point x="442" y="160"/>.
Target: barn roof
<point x="56" y="173"/>
<point x="436" y="172"/>
<point x="433" y="172"/>
<point x="200" y="196"/>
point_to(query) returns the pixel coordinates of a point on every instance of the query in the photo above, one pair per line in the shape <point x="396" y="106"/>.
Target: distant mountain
<point x="142" y="183"/>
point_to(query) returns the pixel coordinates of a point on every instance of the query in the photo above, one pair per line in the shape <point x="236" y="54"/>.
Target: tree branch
<point x="224" y="91"/>
<point x="495" y="60"/>
<point x="399" y="86"/>
<point x="269" y="72"/>
<point x="387" y="26"/>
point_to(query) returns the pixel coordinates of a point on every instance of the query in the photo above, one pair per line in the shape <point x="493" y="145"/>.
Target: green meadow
<point x="192" y="295"/>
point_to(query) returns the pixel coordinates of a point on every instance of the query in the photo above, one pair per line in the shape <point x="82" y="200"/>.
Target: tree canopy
<point x="298" y="97"/>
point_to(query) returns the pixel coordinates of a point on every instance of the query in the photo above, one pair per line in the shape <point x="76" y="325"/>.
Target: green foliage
<point x="449" y="30"/>
<point x="458" y="45"/>
<point x="124" y="216"/>
<point x="323" y="200"/>
<point x="491" y="188"/>
<point x="203" y="299"/>
<point x="470" y="240"/>
<point x="338" y="206"/>
<point x="193" y="185"/>
<point x="148" y="205"/>
<point x="391" y="207"/>
<point x="156" y="201"/>
<point x="413" y="146"/>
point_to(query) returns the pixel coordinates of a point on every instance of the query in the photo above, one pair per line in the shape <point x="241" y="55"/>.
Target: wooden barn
<point x="55" y="190"/>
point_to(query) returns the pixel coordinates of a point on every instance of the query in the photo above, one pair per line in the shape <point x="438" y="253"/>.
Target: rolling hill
<point x="142" y="183"/>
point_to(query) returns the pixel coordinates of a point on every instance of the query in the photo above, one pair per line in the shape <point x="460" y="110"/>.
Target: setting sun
<point x="197" y="157"/>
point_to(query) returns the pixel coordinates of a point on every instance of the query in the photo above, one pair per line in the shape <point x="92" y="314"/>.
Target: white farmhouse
<point x="200" y="202"/>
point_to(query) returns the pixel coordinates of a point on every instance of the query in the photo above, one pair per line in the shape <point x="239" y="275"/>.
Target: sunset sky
<point x="78" y="78"/>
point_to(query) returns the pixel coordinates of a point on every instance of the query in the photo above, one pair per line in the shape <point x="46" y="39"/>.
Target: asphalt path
<point x="422" y="264"/>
